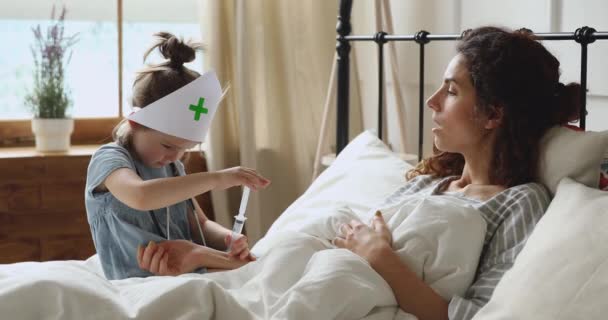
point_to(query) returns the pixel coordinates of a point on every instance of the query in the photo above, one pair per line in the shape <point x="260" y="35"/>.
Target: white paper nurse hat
<point x="185" y="113"/>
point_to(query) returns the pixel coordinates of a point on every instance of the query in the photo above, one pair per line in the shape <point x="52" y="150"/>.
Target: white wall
<point x="448" y="17"/>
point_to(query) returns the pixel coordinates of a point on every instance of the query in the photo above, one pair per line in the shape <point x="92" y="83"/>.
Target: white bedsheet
<point x="298" y="278"/>
<point x="294" y="281"/>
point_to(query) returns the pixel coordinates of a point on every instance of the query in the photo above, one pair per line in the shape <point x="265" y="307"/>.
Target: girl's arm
<point x="152" y="194"/>
<point x="218" y="236"/>
<point x="214" y="233"/>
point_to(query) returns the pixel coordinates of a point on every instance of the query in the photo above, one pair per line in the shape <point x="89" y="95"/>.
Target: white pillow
<point x="361" y="177"/>
<point x="562" y="272"/>
<point x="574" y="154"/>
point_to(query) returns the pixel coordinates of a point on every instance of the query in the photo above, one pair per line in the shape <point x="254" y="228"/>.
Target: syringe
<point x="239" y="220"/>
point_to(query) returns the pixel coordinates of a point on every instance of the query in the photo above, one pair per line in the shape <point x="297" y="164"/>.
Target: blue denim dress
<point x="118" y="229"/>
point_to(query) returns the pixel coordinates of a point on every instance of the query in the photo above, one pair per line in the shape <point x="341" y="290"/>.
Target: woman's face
<point x="156" y="149"/>
<point x="457" y="128"/>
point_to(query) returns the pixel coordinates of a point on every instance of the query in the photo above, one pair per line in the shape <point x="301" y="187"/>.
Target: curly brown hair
<point x="512" y="71"/>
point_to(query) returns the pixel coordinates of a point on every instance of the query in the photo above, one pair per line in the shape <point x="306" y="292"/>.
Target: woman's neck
<point x="475" y="180"/>
<point x="475" y="175"/>
<point x="477" y="166"/>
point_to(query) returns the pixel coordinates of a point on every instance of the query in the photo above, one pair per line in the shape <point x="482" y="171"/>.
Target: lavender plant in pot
<point x="49" y="98"/>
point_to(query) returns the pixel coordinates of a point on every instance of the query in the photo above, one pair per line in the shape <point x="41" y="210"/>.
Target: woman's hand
<point x="172" y="257"/>
<point x="240" y="248"/>
<point x="240" y="176"/>
<point x="374" y="244"/>
<point x="365" y="241"/>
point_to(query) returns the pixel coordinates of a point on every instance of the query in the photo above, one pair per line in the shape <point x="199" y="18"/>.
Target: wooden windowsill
<point x="30" y="152"/>
<point x="74" y="151"/>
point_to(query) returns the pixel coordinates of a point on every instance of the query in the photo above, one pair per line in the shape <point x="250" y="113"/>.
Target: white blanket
<point x="297" y="278"/>
<point x="440" y="238"/>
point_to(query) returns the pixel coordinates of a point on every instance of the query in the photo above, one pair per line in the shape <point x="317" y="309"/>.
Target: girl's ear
<point x="133" y="124"/>
<point x="495" y="116"/>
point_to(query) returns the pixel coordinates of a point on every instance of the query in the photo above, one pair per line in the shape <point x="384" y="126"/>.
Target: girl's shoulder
<point x="109" y="157"/>
<point x="111" y="147"/>
<point x="112" y="152"/>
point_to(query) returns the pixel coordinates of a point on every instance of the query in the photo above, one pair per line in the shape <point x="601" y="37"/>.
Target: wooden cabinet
<point x="42" y="212"/>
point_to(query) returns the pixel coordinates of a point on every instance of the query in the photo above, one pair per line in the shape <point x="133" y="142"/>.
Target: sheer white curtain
<point x="277" y="57"/>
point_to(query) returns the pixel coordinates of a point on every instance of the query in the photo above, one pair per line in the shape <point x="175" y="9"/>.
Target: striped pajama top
<point x="510" y="216"/>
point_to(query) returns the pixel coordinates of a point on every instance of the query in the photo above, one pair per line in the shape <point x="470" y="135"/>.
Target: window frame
<point x="18" y="133"/>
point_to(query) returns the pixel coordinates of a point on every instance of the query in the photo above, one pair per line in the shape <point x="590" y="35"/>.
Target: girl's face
<point x="458" y="128"/>
<point x="156" y="149"/>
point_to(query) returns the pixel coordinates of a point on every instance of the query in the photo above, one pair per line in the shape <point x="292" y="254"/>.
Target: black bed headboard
<point x="583" y="36"/>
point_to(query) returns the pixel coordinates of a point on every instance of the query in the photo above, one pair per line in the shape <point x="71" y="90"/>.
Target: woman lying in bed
<point x="500" y="94"/>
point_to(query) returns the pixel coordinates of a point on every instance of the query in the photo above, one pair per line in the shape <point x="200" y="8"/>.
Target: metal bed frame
<point x="584" y="36"/>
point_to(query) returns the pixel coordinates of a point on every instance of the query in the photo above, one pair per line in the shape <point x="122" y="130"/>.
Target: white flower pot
<point x="52" y="135"/>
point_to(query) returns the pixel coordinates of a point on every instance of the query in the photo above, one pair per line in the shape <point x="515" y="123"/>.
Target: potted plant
<point x="49" y="98"/>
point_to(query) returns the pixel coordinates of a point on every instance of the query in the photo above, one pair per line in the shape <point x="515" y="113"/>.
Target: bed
<point x="78" y="289"/>
<point x="297" y="278"/>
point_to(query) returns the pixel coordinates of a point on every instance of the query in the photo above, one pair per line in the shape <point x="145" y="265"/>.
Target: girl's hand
<point x="172" y="257"/>
<point x="240" y="248"/>
<point x="241" y="176"/>
<point x="365" y="241"/>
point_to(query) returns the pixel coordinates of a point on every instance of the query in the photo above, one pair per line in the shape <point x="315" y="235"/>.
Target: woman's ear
<point x="495" y="116"/>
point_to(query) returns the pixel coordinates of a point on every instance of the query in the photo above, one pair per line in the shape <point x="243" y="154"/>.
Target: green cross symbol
<point x="198" y="109"/>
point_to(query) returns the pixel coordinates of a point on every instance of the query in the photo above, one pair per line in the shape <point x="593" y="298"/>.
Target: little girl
<point x="137" y="191"/>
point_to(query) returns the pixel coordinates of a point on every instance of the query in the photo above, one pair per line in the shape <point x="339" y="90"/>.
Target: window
<point x="92" y="75"/>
